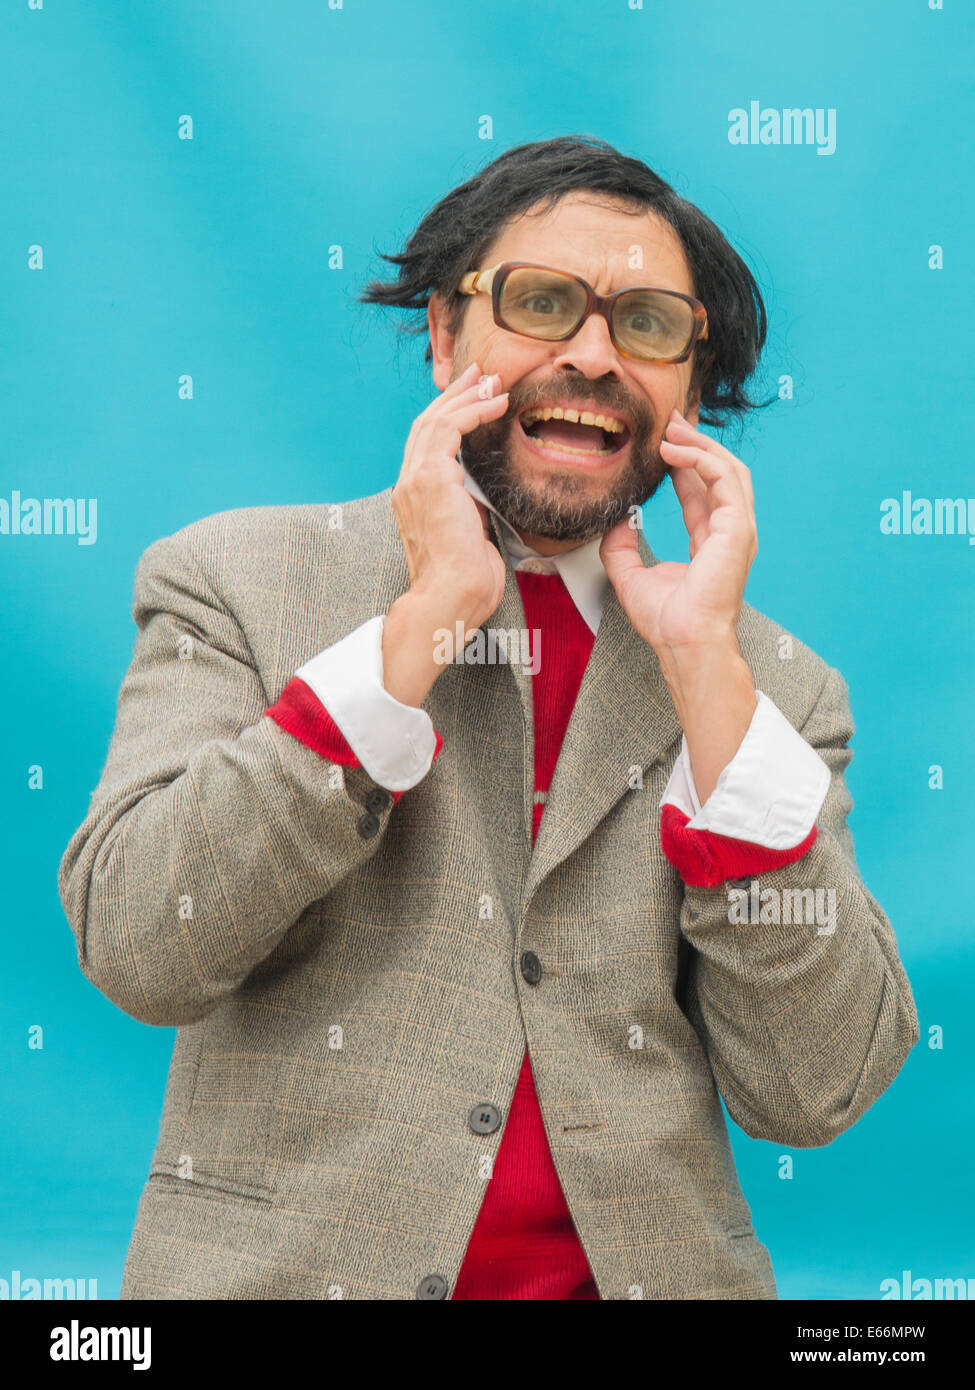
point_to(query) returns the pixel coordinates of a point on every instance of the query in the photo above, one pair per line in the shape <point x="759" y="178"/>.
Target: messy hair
<point x="454" y="236"/>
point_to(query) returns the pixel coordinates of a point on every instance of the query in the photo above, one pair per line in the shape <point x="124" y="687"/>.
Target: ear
<point x="442" y="343"/>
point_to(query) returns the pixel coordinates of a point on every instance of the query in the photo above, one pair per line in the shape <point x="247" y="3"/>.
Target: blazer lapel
<point x="623" y="718"/>
<point x="510" y="615"/>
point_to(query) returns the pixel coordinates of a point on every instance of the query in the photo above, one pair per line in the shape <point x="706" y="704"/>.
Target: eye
<point x="640" y="321"/>
<point x="648" y="317"/>
<point x="541" y="302"/>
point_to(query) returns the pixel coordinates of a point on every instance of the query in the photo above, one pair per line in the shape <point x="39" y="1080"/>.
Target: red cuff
<point x="300" y="713"/>
<point x="704" y="859"/>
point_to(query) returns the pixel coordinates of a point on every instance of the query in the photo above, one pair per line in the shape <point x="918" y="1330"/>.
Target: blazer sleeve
<point x="794" y="983"/>
<point x="760" y="815"/>
<point x="337" y="704"/>
<point x="212" y="828"/>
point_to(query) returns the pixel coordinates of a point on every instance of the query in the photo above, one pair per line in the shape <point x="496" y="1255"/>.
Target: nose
<point x="590" y="350"/>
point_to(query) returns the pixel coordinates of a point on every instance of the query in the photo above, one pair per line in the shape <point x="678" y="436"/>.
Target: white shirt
<point x="769" y="794"/>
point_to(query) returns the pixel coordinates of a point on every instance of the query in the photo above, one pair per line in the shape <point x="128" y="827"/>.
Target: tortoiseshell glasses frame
<point x="492" y="281"/>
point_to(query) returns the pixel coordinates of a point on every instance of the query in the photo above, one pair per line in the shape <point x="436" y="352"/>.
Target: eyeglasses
<point x="652" y="324"/>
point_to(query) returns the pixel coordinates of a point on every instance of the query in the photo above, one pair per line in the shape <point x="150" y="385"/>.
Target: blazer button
<point x="368" y="825"/>
<point x="433" y="1286"/>
<point x="484" y="1119"/>
<point x="377" y="801"/>
<point x="531" y="967"/>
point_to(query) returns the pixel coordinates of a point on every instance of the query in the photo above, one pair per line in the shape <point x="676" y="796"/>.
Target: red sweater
<point x="524" y="1244"/>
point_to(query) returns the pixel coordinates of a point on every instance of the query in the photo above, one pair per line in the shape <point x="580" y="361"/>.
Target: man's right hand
<point x="456" y="572"/>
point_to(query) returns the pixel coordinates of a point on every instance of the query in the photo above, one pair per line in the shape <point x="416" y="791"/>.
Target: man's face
<point x="551" y="495"/>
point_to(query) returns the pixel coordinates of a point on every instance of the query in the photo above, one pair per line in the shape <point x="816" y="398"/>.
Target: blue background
<point x="315" y="127"/>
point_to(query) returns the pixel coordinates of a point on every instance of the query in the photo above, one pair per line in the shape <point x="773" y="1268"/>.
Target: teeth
<point x="567" y="449"/>
<point x="555" y="412"/>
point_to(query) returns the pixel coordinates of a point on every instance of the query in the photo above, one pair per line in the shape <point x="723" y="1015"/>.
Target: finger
<point x="717" y="472"/>
<point x="692" y="494"/>
<point x="463" y="417"/>
<point x="708" y="506"/>
<point x="681" y="434"/>
<point x="473" y="385"/>
<point x="620" y="553"/>
<point x="485" y="391"/>
<point x="435" y="439"/>
<point x="460" y="382"/>
<point x="679" y="431"/>
<point x="683" y="431"/>
<point x="724" y="493"/>
<point x="468" y="386"/>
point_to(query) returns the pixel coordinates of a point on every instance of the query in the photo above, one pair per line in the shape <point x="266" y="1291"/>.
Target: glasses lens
<point x="649" y="323"/>
<point x="541" y="303"/>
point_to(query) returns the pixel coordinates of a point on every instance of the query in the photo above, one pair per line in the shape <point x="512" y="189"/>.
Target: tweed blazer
<point x="345" y="1001"/>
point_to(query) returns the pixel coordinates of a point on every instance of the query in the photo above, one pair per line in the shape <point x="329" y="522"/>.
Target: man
<point x="464" y="936"/>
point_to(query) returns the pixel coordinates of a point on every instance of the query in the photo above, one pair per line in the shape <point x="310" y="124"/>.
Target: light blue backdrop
<point x="314" y="127"/>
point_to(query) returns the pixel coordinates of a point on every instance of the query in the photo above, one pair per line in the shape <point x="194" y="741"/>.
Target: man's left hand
<point x="675" y="606"/>
<point x="689" y="613"/>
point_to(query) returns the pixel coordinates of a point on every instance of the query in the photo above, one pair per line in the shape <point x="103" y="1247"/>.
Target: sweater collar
<point x="581" y="570"/>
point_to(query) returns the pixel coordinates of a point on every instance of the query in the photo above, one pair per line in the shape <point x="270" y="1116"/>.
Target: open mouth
<point x="555" y="429"/>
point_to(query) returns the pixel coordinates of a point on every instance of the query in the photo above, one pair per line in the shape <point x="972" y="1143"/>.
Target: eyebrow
<point x="643" y="285"/>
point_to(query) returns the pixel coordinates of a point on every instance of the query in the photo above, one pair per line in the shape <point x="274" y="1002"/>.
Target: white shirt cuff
<point x="395" y="743"/>
<point x="769" y="794"/>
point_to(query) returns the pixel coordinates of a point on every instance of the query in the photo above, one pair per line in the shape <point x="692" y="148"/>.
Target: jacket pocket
<point x="162" y="1178"/>
<point x="230" y="1087"/>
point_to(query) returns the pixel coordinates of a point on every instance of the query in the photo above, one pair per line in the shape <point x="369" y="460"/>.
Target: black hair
<point x="454" y="235"/>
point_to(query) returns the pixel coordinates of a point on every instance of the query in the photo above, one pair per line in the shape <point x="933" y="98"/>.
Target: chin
<point x="563" y="502"/>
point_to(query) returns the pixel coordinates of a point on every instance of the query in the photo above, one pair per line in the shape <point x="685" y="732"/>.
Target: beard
<point x="567" y="506"/>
